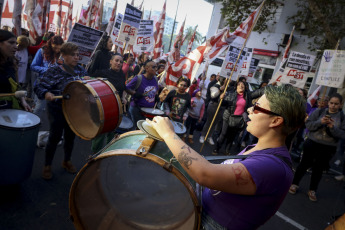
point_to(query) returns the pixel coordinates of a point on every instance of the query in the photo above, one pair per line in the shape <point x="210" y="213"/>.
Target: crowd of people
<point x="273" y="121"/>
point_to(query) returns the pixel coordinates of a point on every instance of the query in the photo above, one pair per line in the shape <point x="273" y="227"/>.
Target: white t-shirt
<point x="22" y="57"/>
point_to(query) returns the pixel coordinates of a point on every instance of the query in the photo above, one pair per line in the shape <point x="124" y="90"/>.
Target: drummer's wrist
<point x="170" y="135"/>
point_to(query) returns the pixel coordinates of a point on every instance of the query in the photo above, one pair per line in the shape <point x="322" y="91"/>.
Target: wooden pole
<point x="232" y="72"/>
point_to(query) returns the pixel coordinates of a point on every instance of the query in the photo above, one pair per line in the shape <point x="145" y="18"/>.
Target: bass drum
<point x="91" y="107"/>
<point x="119" y="189"/>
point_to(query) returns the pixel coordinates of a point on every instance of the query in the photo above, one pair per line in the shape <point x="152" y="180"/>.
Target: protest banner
<point x="230" y="60"/>
<point x="130" y="24"/>
<point x="252" y="69"/>
<point x="87" y="39"/>
<point x="297" y="69"/>
<point x="116" y="30"/>
<point x="246" y="61"/>
<point x="332" y="69"/>
<point x="145" y="40"/>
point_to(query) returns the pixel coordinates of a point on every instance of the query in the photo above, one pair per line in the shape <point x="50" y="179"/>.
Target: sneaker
<point x="337" y="162"/>
<point x="201" y="139"/>
<point x="69" y="167"/>
<point x="293" y="189"/>
<point x="312" y="195"/>
<point x="47" y="172"/>
<point x="210" y="141"/>
<point x="190" y="140"/>
<point x="340" y="178"/>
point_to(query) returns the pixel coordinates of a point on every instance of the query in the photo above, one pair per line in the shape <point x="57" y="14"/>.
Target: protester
<point x="45" y="58"/>
<point x="203" y="84"/>
<point x="54" y="80"/>
<point x="325" y="127"/>
<point x="144" y="89"/>
<point x="194" y="86"/>
<point x="8" y="72"/>
<point x="127" y="66"/>
<point x="178" y="101"/>
<point x="139" y="69"/>
<point x="102" y="56"/>
<point x="22" y="57"/>
<point x="237" y="189"/>
<point x="116" y="77"/>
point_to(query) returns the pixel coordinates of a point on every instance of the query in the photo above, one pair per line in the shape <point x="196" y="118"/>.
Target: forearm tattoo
<point x="185" y="159"/>
<point x="241" y="176"/>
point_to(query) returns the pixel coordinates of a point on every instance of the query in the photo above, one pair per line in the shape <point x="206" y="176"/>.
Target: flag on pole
<point x="111" y="20"/>
<point x="278" y="75"/>
<point x="29" y="10"/>
<point x="57" y="18"/>
<point x="98" y="20"/>
<point x="158" y="34"/>
<point x="92" y="13"/>
<point x="314" y="96"/>
<point x="76" y="18"/>
<point x="44" y="15"/>
<point x="83" y="15"/>
<point x="174" y="54"/>
<point x="214" y="46"/>
<point x="67" y="25"/>
<point x="190" y="43"/>
<point x="16" y="17"/>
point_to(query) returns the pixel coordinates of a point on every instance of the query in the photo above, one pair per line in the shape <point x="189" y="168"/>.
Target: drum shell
<point x="125" y="144"/>
<point x="17" y="151"/>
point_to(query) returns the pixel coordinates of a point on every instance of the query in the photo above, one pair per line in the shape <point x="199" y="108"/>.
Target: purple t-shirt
<point x="272" y="177"/>
<point x="148" y="88"/>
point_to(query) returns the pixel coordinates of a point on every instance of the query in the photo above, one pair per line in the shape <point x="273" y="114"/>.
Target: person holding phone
<point x="326" y="126"/>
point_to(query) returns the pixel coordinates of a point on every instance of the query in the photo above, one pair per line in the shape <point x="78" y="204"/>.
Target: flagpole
<point x="326" y="88"/>
<point x="172" y="32"/>
<point x="232" y="71"/>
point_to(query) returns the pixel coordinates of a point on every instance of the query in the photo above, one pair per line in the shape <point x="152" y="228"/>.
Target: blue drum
<point x="18" y="132"/>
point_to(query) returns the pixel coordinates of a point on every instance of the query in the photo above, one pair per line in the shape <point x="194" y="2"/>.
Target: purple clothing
<point x="148" y="88"/>
<point x="272" y="177"/>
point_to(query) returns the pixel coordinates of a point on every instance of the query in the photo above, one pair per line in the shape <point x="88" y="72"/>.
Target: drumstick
<point x="154" y="107"/>
<point x="67" y="96"/>
<point x="17" y="94"/>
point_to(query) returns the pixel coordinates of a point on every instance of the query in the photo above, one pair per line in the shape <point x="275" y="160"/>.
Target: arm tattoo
<point x="241" y="176"/>
<point x="186" y="147"/>
<point x="185" y="160"/>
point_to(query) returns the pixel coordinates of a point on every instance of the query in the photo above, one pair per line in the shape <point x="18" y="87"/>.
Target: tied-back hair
<point x="103" y="43"/>
<point x="6" y="61"/>
<point x="49" y="54"/>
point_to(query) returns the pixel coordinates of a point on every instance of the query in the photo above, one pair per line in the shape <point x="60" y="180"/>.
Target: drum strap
<point x="145" y="146"/>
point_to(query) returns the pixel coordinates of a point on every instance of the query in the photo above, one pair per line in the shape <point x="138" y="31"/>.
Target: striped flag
<point x="98" y="20"/>
<point x="158" y="34"/>
<point x="174" y="55"/>
<point x="111" y="20"/>
<point x="92" y="13"/>
<point x="314" y="96"/>
<point x="57" y="18"/>
<point x="190" y="43"/>
<point x="67" y="25"/>
<point x="83" y="15"/>
<point x="16" y="17"/>
<point x="29" y="10"/>
<point x="44" y="15"/>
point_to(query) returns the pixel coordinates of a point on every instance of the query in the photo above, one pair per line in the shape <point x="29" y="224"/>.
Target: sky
<point x="197" y="12"/>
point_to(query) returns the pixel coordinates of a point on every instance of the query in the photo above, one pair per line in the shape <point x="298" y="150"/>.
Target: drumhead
<point x="152" y="111"/>
<point x="126" y="123"/>
<point x="121" y="190"/>
<point x="179" y="128"/>
<point x="13" y="118"/>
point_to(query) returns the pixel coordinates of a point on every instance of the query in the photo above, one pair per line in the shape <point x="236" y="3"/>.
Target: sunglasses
<point x="256" y="109"/>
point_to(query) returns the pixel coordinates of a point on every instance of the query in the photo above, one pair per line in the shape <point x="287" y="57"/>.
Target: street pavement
<point x="40" y="204"/>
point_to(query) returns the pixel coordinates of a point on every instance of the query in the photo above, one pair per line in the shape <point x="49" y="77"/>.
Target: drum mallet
<point x="17" y="94"/>
<point x="66" y="96"/>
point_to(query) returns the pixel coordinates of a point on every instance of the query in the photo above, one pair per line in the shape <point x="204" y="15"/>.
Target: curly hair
<point x="49" y="54"/>
<point x="4" y="61"/>
<point x="103" y="43"/>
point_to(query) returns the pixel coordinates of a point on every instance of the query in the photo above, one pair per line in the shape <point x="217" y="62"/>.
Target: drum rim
<point x="143" y="109"/>
<point x="21" y="128"/>
<point x="131" y="152"/>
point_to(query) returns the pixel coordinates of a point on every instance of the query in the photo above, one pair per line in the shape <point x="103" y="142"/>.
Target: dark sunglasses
<point x="255" y="109"/>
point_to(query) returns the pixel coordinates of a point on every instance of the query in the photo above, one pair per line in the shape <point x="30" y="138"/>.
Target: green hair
<point x="286" y="101"/>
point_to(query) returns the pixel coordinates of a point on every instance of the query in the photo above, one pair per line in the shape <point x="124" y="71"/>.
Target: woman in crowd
<point x="139" y="69"/>
<point x="54" y="80"/>
<point x="8" y="72"/>
<point x="236" y="190"/>
<point x="116" y="77"/>
<point x="178" y="101"/>
<point x="102" y="56"/>
<point x="45" y="58"/>
<point x="22" y="56"/>
<point x="326" y="126"/>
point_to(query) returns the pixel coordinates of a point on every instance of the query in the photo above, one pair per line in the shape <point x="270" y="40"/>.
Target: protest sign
<point x="229" y="63"/>
<point x="116" y="29"/>
<point x="130" y="24"/>
<point x="87" y="39"/>
<point x="332" y="69"/>
<point x="297" y="69"/>
<point x="246" y="61"/>
<point x="145" y="40"/>
<point x="252" y="69"/>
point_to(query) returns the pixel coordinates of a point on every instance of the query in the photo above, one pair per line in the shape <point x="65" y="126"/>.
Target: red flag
<point x="57" y="18"/>
<point x="98" y="20"/>
<point x="67" y="24"/>
<point x="111" y="20"/>
<point x="43" y="16"/>
<point x="29" y="10"/>
<point x="92" y="12"/>
<point x="190" y="43"/>
<point x="314" y="96"/>
<point x="174" y="55"/>
<point x="16" y="17"/>
<point x="158" y="34"/>
<point x="83" y="16"/>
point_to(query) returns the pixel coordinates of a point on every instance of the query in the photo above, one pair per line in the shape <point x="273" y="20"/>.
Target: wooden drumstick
<point x="67" y="96"/>
<point x="154" y="107"/>
<point x="17" y="94"/>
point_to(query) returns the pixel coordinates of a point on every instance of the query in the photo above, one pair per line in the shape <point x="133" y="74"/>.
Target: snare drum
<point x="122" y="190"/>
<point x="179" y="128"/>
<point x="151" y="112"/>
<point x="93" y="107"/>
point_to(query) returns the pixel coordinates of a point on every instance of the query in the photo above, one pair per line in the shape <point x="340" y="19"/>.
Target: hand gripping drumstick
<point x="17" y="94"/>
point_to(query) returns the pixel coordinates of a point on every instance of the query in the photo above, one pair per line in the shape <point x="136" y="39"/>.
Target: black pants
<point x="191" y="123"/>
<point x="228" y="134"/>
<point x="211" y="110"/>
<point x="58" y="125"/>
<point x="316" y="156"/>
